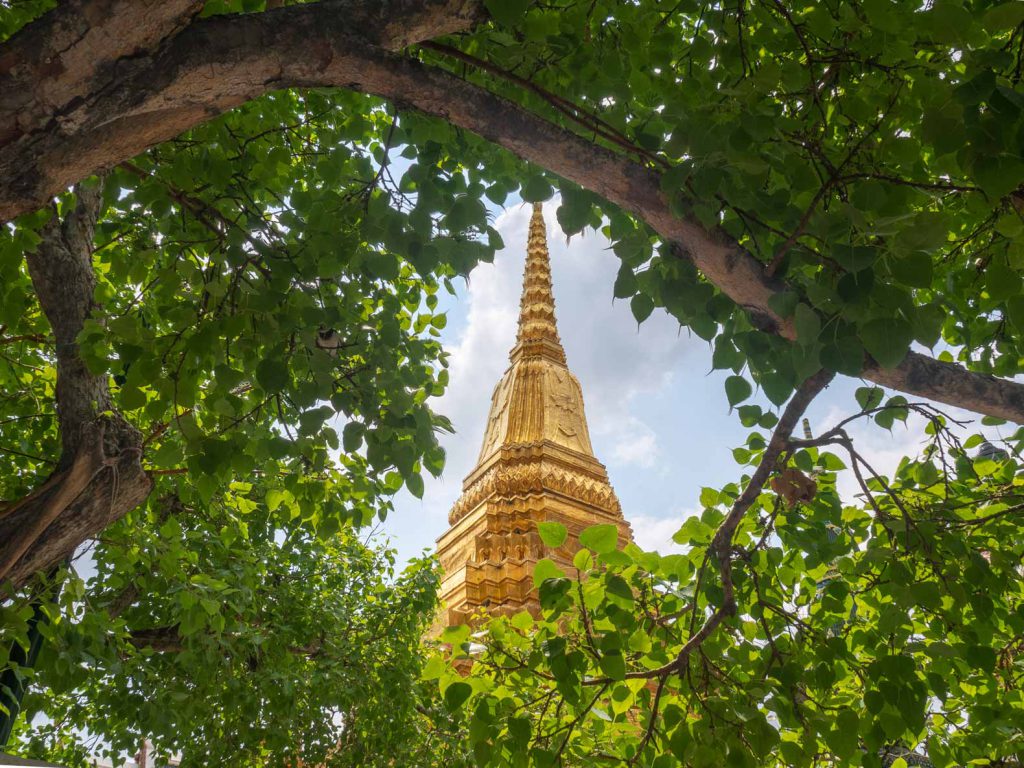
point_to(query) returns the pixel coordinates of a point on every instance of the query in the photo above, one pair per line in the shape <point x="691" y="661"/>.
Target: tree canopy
<point x="228" y="223"/>
<point x="297" y="649"/>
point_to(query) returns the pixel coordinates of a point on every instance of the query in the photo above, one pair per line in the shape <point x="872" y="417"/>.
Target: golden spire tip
<point x="537" y="330"/>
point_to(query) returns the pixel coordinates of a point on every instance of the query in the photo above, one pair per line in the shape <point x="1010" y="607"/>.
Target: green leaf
<point x="943" y="127"/>
<point x="887" y="340"/>
<point x="737" y="389"/>
<point x="613" y="665"/>
<point x="844" y="355"/>
<point x="583" y="560"/>
<point x="642" y="305"/>
<point x="709" y="497"/>
<point x="574" y="212"/>
<point x="998" y="175"/>
<point x="784" y="303"/>
<point x="275" y="497"/>
<point x="640" y="641"/>
<point x="544" y="570"/>
<point x="536" y="189"/>
<point x="552" y="534"/>
<point x="1001" y="281"/>
<point x="914" y="269"/>
<point x="272" y="375"/>
<point x="869" y="397"/>
<point x="1015" y="311"/>
<point x="351" y="436"/>
<point x="434" y="668"/>
<point x="854" y="258"/>
<point x="776" y="387"/>
<point x="808" y="324"/>
<point x="601" y="538"/>
<point x="466" y="212"/>
<point x="508" y="13"/>
<point x="981" y="657"/>
<point x="619" y="587"/>
<point x="455" y="635"/>
<point x="414" y="482"/>
<point x="625" y="283"/>
<point x="694" y="531"/>
<point x="928" y="321"/>
<point x="855" y="287"/>
<point x="519" y="729"/>
<point x="457" y="694"/>
<point x="551" y="591"/>
<point x="1003" y="17"/>
<point x="844" y="739"/>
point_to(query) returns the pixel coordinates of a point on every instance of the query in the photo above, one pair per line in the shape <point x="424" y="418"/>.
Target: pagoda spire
<point x="538" y="330"/>
<point x="536" y="465"/>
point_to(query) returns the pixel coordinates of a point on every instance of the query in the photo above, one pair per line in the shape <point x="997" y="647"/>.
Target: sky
<point x="658" y="415"/>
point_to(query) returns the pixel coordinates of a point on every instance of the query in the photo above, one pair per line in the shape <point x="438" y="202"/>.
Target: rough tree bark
<point x="46" y="66"/>
<point x="97" y="78"/>
<point x="99" y="477"/>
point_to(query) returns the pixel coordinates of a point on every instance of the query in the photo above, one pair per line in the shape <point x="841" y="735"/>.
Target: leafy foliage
<point x="266" y="316"/>
<point x="283" y="648"/>
<point x="867" y="153"/>
<point x="865" y="629"/>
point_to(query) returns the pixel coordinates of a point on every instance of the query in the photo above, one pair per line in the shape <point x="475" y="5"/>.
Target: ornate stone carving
<point x="512" y="480"/>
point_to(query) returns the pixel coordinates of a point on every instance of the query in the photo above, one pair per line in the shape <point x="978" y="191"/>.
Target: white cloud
<point x="635" y="444"/>
<point x="655" y="533"/>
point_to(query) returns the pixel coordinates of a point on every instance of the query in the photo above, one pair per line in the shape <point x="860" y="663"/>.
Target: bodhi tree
<point x="830" y="189"/>
<point x="210" y="375"/>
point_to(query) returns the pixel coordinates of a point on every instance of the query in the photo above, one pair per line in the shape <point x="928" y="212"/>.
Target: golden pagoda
<point x="536" y="465"/>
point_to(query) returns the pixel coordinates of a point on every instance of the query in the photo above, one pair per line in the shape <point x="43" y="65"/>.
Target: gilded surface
<point x="536" y="464"/>
<point x="508" y="480"/>
<point x="564" y="420"/>
<point x="536" y="400"/>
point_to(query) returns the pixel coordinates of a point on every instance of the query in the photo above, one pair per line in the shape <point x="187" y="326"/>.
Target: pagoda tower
<point x="536" y="465"/>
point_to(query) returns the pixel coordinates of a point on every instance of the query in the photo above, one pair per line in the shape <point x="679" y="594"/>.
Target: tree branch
<point x="50" y="62"/>
<point x="218" y="63"/>
<point x="721" y="542"/>
<point x="87" y="86"/>
<point x="169" y="640"/>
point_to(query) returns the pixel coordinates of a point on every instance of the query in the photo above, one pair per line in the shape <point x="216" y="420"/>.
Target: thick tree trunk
<point x="64" y="282"/>
<point x="124" y="104"/>
<point x="99" y="477"/>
